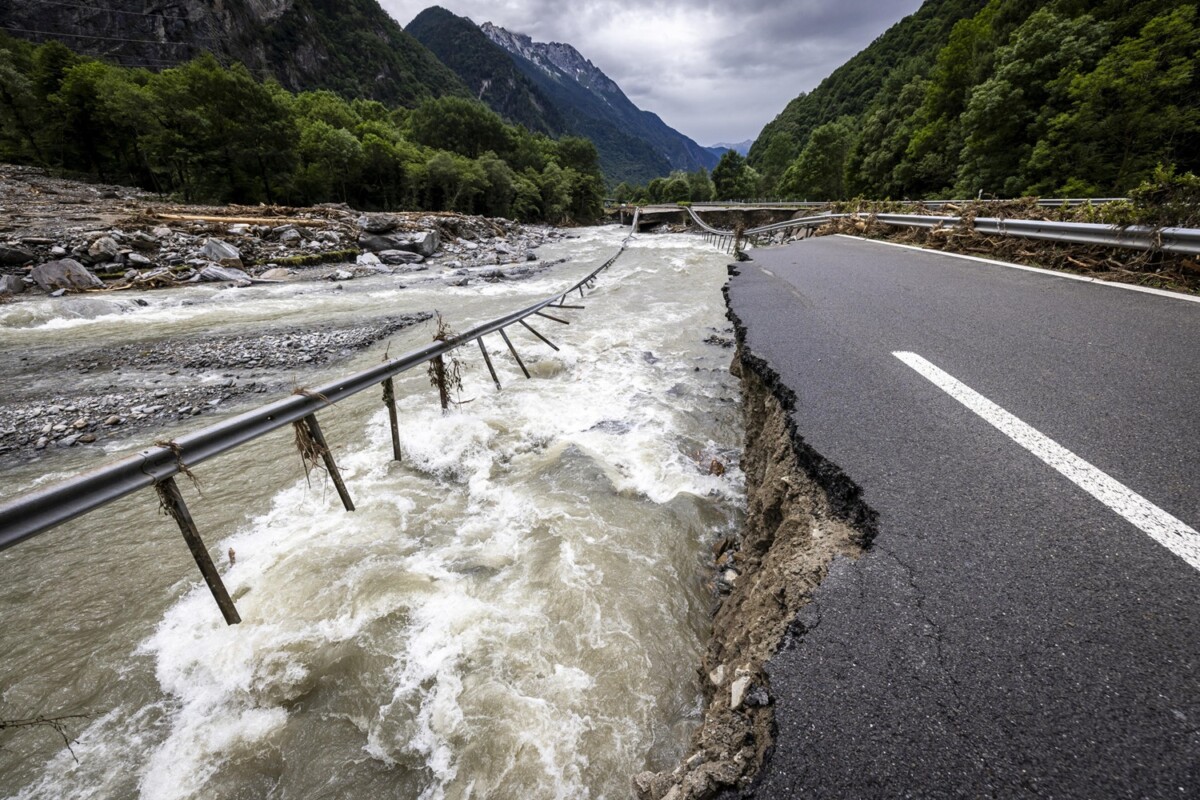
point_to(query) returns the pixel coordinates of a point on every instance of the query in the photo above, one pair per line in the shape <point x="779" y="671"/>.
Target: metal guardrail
<point x="1049" y="202"/>
<point x="42" y="509"/>
<point x="1138" y="237"/>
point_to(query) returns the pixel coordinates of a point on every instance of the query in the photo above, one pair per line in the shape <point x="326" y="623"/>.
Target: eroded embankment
<point x="802" y="511"/>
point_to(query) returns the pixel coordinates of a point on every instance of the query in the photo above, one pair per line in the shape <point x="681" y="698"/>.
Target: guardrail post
<point x="528" y="327"/>
<point x="327" y="456"/>
<point x="488" y="360"/>
<point x="548" y="316"/>
<point x="172" y="501"/>
<point x="513" y="350"/>
<point x="389" y="399"/>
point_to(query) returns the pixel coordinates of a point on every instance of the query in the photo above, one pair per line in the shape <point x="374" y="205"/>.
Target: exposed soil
<point x="802" y="513"/>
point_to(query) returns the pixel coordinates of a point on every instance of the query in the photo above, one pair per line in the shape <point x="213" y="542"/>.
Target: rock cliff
<point x="349" y="46"/>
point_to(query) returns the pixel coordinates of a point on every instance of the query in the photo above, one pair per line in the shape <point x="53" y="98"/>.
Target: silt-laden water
<point x="515" y="611"/>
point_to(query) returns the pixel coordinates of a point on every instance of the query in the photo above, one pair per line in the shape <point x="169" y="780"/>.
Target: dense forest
<point x="211" y="133"/>
<point x="1001" y="98"/>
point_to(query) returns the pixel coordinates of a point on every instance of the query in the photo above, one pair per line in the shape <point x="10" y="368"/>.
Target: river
<point x="517" y="610"/>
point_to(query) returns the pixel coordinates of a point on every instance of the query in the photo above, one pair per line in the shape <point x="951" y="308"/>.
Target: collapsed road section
<point x="802" y="514"/>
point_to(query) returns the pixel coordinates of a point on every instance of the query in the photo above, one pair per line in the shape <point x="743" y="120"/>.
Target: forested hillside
<point x="999" y="97"/>
<point x="350" y="46"/>
<point x="486" y="69"/>
<point x="211" y="133"/>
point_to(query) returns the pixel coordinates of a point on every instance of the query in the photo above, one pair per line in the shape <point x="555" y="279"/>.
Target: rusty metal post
<point x="488" y="360"/>
<point x="389" y="399"/>
<point x="327" y="457"/>
<point x="172" y="500"/>
<point x="513" y="350"/>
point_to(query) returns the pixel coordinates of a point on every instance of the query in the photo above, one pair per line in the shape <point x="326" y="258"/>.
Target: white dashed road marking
<point x="1171" y="533"/>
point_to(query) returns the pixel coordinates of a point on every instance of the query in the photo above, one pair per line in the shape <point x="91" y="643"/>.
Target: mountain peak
<point x="554" y="57"/>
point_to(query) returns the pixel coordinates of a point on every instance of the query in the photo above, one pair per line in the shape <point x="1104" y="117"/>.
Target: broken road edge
<point x="802" y="513"/>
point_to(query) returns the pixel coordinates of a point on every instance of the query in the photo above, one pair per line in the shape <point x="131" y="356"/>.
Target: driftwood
<point x="274" y="221"/>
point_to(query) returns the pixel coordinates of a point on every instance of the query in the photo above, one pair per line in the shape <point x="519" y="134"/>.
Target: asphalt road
<point x="1008" y="634"/>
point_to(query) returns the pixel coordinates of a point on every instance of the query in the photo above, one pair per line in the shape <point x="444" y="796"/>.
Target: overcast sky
<point x="716" y="71"/>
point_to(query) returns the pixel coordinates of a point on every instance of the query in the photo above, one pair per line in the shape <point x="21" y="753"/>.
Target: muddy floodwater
<point x="517" y="610"/>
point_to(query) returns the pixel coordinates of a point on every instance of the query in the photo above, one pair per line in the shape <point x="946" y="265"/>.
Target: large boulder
<point x="214" y="274"/>
<point x="11" y="284"/>
<point x="103" y="249"/>
<point x="66" y="274"/>
<point x="378" y="223"/>
<point x="222" y="253"/>
<point x="15" y="256"/>
<point x="425" y="243"/>
<point x="400" y="257"/>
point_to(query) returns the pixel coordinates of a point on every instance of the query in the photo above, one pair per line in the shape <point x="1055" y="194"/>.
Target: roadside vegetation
<point x="204" y="132"/>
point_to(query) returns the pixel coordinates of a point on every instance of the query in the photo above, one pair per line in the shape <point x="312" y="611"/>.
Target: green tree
<point x="1009" y="112"/>
<point x="452" y="182"/>
<point x="18" y="113"/>
<point x="327" y="107"/>
<point x="499" y="190"/>
<point x="676" y="189"/>
<point x="331" y="160"/>
<point x="700" y="186"/>
<point x="218" y="133"/>
<point x="459" y="125"/>
<point x="819" y="173"/>
<point x="1137" y="109"/>
<point x="731" y="177"/>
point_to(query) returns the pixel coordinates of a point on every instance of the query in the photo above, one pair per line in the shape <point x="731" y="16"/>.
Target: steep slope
<point x="635" y="145"/>
<point x="487" y="70"/>
<point x="350" y="46"/>
<point x="908" y="47"/>
<point x="999" y="98"/>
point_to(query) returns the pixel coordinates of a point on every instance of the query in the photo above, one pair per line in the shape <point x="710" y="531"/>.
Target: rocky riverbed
<point x="62" y="237"/>
<point x="173" y="380"/>
<point x="65" y="239"/>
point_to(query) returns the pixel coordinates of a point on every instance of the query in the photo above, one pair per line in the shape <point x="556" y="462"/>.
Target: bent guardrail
<point x="38" y="511"/>
<point x="1137" y="237"/>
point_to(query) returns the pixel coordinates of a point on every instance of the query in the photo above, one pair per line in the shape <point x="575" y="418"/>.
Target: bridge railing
<point x="42" y="509"/>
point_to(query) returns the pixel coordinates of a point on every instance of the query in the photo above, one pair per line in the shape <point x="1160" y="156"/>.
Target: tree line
<point x="1015" y="97"/>
<point x="211" y="133"/>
